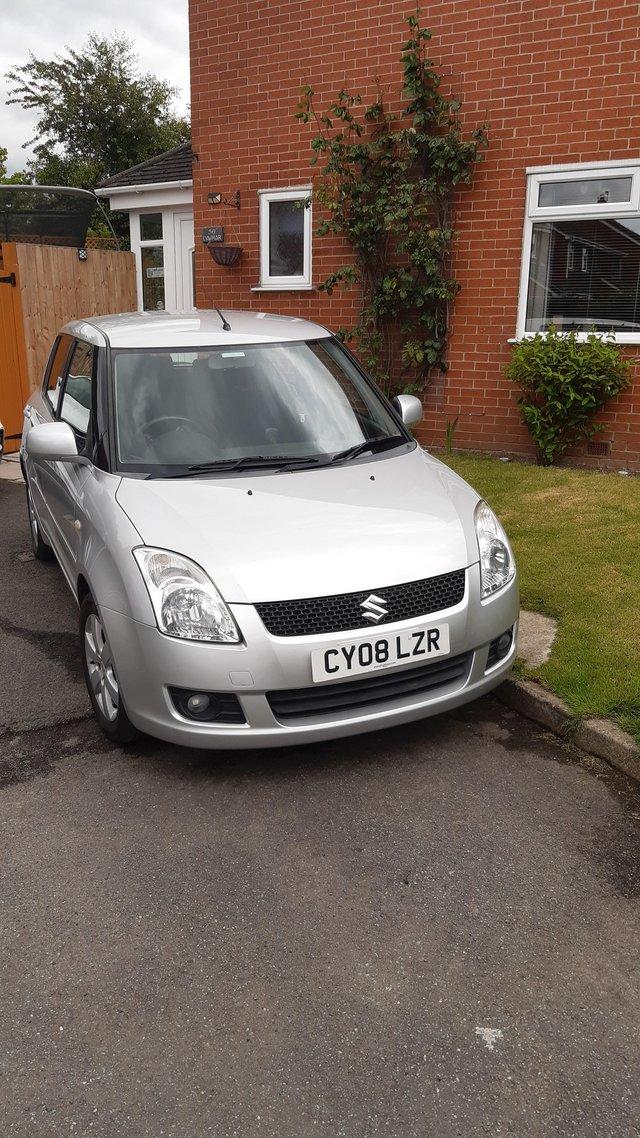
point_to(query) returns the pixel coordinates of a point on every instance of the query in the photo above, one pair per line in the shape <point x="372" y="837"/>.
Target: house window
<point x="152" y="262"/>
<point x="151" y="227"/>
<point x="581" y="264"/>
<point x="285" y="238"/>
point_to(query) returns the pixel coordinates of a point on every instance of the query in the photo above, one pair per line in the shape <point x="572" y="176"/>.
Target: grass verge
<point x="576" y="537"/>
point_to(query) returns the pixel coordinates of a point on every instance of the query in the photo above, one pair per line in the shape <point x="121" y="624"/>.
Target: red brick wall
<point x="556" y="82"/>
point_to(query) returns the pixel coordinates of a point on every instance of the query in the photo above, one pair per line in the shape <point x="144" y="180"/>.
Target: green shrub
<point x="565" y="382"/>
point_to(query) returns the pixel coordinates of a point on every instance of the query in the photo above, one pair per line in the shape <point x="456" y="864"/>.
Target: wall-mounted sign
<point x="213" y="233"/>
<point x="155" y="271"/>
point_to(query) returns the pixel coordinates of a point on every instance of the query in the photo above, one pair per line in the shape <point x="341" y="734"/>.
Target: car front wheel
<point x="101" y="677"/>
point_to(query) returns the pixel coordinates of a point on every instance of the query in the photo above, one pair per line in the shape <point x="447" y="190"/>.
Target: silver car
<point x="261" y="553"/>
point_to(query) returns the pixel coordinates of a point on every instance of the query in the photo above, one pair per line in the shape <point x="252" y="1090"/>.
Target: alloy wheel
<point x="100" y="668"/>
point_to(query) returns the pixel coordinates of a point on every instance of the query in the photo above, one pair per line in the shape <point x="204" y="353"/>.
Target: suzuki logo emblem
<point x="373" y="608"/>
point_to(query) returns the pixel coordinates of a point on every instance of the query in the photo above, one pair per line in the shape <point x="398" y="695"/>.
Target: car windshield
<point x="180" y="409"/>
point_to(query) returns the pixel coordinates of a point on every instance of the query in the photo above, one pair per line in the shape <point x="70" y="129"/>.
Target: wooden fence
<point x="41" y="288"/>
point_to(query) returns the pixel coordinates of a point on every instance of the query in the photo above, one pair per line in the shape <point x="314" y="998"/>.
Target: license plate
<point x="386" y="650"/>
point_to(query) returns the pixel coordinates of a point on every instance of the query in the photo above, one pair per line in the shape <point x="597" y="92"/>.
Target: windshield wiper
<point x="229" y="463"/>
<point x="280" y="461"/>
<point x="248" y="462"/>
<point x="372" y="445"/>
<point x="200" y="468"/>
<point x="285" y="462"/>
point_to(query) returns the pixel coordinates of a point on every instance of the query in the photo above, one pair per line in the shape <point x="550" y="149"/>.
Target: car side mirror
<point x="410" y="409"/>
<point x="54" y="442"/>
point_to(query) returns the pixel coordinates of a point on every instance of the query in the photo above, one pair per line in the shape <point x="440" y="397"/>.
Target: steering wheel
<point x="164" y="423"/>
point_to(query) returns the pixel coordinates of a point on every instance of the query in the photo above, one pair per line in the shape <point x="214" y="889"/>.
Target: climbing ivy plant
<point x="387" y="183"/>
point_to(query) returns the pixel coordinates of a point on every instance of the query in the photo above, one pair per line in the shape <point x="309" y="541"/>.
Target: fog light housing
<point x="499" y="648"/>
<point x="198" y="703"/>
<point x="207" y="706"/>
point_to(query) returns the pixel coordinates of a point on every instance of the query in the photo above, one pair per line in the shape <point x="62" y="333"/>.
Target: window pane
<point x="76" y="401"/>
<point x="286" y="239"/>
<point x="54" y="382"/>
<point x="151" y="227"/>
<point x="585" y="191"/>
<point x="585" y="275"/>
<point x="152" y="277"/>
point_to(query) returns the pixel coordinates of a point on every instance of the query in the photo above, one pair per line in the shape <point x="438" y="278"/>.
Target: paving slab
<point x="10" y="470"/>
<point x="536" y="634"/>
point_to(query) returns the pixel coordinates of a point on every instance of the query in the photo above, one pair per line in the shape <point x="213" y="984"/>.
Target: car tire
<point x="101" y="678"/>
<point x="41" y="551"/>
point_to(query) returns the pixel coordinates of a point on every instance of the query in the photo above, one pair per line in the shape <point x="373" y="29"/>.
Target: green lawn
<point x="576" y="537"/>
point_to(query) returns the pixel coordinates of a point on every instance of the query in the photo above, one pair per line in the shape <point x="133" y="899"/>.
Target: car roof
<point x="193" y="329"/>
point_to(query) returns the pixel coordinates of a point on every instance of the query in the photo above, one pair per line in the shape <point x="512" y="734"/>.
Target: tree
<point x="96" y="112"/>
<point x="18" y="178"/>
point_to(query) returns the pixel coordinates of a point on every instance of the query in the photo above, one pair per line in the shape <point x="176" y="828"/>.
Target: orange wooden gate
<point x="41" y="288"/>
<point x="14" y="382"/>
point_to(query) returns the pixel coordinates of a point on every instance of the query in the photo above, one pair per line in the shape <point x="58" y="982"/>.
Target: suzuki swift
<point x="260" y="551"/>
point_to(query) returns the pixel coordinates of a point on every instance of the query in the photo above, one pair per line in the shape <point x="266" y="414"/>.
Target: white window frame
<point x="137" y="245"/>
<point x="290" y="194"/>
<point x="538" y="175"/>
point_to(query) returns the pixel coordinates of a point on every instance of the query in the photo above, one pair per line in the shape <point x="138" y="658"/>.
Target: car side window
<point x="75" y="407"/>
<point x="55" y="374"/>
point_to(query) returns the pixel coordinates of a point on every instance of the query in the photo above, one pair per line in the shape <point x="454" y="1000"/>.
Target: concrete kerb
<point x="598" y="737"/>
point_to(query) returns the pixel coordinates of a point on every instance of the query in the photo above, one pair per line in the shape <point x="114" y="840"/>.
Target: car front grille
<point x="358" y="695"/>
<point x="343" y="613"/>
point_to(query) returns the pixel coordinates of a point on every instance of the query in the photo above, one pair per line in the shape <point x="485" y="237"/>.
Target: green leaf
<point x="385" y="184"/>
<point x="564" y="383"/>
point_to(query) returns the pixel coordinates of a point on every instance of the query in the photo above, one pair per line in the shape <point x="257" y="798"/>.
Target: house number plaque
<point x="212" y="234"/>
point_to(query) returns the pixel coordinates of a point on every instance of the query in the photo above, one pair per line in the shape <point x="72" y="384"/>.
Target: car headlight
<point x="185" y="601"/>
<point x="497" y="566"/>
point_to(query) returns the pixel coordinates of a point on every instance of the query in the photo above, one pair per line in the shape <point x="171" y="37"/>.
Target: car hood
<point x="263" y="537"/>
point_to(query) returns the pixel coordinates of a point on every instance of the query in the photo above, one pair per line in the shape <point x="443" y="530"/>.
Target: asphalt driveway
<point x="40" y="673"/>
<point x="427" y="932"/>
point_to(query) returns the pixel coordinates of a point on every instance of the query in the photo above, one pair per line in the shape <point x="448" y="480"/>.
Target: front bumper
<point x="149" y="663"/>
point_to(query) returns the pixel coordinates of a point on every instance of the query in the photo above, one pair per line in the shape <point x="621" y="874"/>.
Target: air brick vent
<point x="599" y="448"/>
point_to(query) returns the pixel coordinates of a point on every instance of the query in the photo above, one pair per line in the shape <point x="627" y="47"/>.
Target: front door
<point x="185" y="253"/>
<point x="64" y="480"/>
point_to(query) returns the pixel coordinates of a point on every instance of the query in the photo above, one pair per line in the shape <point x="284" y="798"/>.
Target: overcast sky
<point x="158" y="31"/>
